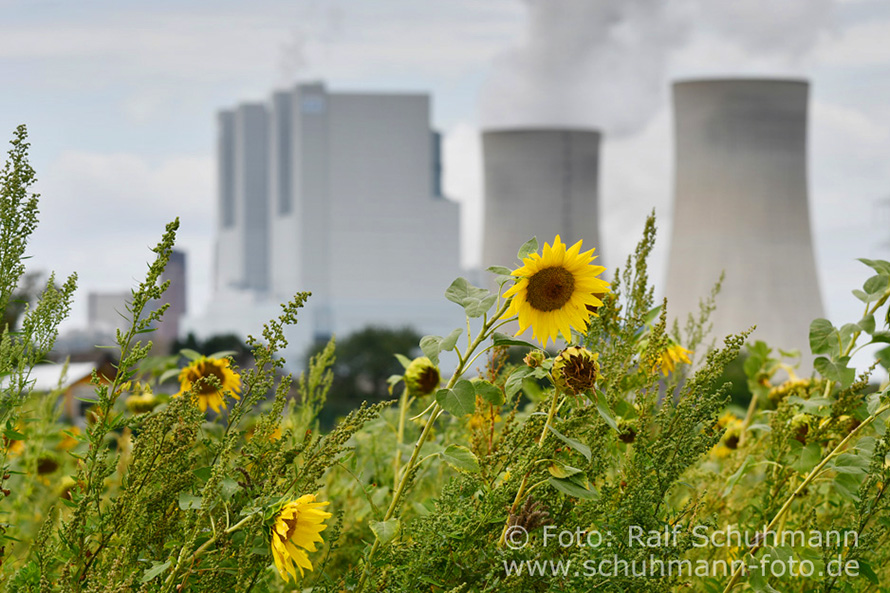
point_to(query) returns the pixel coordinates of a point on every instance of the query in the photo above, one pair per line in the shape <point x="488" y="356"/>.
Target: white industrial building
<point x="741" y="207"/>
<point x="539" y="182"/>
<point x="337" y="194"/>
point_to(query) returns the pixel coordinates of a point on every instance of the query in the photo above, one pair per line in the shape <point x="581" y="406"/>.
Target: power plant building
<point x="351" y="212"/>
<point x="539" y="183"/>
<point x="741" y="207"/>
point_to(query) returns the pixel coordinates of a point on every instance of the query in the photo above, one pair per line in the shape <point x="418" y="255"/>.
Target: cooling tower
<point x="740" y="206"/>
<point x="539" y="183"/>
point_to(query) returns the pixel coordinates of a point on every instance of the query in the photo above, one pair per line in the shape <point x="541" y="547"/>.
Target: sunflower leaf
<point x="386" y="531"/>
<point x="514" y="381"/>
<point x="836" y="370"/>
<point x="475" y="301"/>
<point x="824" y="338"/>
<point x="576" y="445"/>
<point x="489" y="393"/>
<point x="461" y="459"/>
<point x="450" y="341"/>
<point x="155" y="570"/>
<point x="460" y="400"/>
<point x="529" y="247"/>
<point x="190" y="354"/>
<point x="499" y="339"/>
<point x="572" y="488"/>
<point x="431" y="346"/>
<point x="499" y="270"/>
<point x="403" y="360"/>
<point x="605" y="412"/>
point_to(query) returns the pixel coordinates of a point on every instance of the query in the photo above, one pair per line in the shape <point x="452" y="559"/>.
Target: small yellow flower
<point x="297" y="525"/>
<point x="209" y="393"/>
<point x="673" y="355"/>
<point x="555" y="291"/>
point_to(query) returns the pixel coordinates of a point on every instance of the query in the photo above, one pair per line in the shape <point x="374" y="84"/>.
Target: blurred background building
<point x="539" y="183"/>
<point x="741" y="207"/>
<point x="337" y="194"/>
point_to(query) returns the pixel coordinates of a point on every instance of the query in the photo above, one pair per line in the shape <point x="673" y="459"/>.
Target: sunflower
<point x="298" y="523"/>
<point x="209" y="392"/>
<point x="671" y="357"/>
<point x="555" y="290"/>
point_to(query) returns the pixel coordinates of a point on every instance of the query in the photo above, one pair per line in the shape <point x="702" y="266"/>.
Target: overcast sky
<point x="120" y="98"/>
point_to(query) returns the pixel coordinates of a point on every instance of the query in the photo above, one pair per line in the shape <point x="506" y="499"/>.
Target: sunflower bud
<point x="142" y="403"/>
<point x="534" y="359"/>
<point x="575" y="370"/>
<point x="422" y="376"/>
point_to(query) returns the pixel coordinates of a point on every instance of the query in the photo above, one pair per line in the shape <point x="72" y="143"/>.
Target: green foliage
<point x="365" y="360"/>
<point x="431" y="493"/>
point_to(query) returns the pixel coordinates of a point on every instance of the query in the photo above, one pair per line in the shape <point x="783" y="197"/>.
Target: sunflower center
<point x="551" y="288"/>
<point x="207" y="387"/>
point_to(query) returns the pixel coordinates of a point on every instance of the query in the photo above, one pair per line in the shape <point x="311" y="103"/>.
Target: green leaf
<point x="514" y="381"/>
<point x="558" y="469"/>
<point x="489" y="393"/>
<point x="747" y="464"/>
<point x="760" y="583"/>
<point x="866" y="570"/>
<point x="500" y="270"/>
<point x="809" y="457"/>
<point x="823" y="338"/>
<point x="571" y="488"/>
<point x="867" y="324"/>
<point x="13" y="435"/>
<point x="847" y="485"/>
<point x="169" y="374"/>
<point x="431" y="346"/>
<point x="529" y="247"/>
<point x="450" y="341"/>
<point x="475" y="301"/>
<point x="403" y="360"/>
<point x="848" y="463"/>
<point x="576" y="445"/>
<point x="883" y="357"/>
<point x="190" y="354"/>
<point x="460" y="400"/>
<point x="386" y="531"/>
<point x="836" y="370"/>
<point x="876" y="285"/>
<point x="154" y="571"/>
<point x="878" y="265"/>
<point x="605" y="412"/>
<point x="461" y="458"/>
<point x="189" y="501"/>
<point x="499" y="339"/>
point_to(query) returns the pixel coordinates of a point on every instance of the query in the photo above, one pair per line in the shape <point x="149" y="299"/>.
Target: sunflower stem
<point x="427" y="429"/>
<point x="550" y="415"/>
<point x="737" y="574"/>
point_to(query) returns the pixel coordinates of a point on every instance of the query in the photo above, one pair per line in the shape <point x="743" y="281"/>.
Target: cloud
<point x="101" y="213"/>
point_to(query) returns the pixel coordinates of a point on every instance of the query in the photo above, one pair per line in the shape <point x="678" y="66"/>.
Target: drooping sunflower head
<point x="575" y="370"/>
<point x="556" y="291"/>
<point x="209" y="379"/>
<point x="297" y="525"/>
<point x="422" y="376"/>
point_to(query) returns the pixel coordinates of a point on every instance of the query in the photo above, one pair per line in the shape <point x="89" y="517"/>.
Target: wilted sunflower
<point x="209" y="393"/>
<point x="554" y="291"/>
<point x="297" y="525"/>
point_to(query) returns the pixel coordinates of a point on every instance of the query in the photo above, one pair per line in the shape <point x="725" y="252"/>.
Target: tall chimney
<point x="740" y="206"/>
<point x="539" y="182"/>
